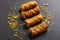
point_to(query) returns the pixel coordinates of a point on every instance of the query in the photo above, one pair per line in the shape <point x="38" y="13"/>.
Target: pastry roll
<point x="38" y="29"/>
<point x="33" y="20"/>
<point x="30" y="13"/>
<point x="28" y="5"/>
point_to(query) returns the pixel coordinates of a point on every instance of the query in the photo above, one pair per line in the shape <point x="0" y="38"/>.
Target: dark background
<point x="53" y="32"/>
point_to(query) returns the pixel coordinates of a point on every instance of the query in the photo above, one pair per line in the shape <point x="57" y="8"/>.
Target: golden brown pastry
<point x="38" y="29"/>
<point x="28" y="5"/>
<point x="34" y="20"/>
<point x="30" y="13"/>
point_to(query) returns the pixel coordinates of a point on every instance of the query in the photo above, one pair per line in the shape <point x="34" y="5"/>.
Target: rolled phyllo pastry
<point x="33" y="20"/>
<point x="30" y="13"/>
<point x="38" y="29"/>
<point x="28" y="5"/>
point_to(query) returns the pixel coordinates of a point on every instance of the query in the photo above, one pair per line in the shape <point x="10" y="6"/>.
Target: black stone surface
<point x="54" y="30"/>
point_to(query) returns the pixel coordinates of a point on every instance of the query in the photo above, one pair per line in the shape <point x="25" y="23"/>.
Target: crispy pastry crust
<point x="38" y="29"/>
<point x="34" y="20"/>
<point x="30" y="13"/>
<point x="28" y="5"/>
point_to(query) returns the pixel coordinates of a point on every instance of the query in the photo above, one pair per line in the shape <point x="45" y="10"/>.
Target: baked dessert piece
<point x="30" y="13"/>
<point x="34" y="20"/>
<point x="38" y="29"/>
<point x="28" y="5"/>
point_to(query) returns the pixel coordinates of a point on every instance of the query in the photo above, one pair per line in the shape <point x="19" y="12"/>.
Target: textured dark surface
<point x="53" y="32"/>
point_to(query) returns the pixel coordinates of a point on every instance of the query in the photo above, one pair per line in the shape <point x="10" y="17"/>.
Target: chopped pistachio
<point x="43" y="4"/>
<point x="49" y="18"/>
<point x="14" y="25"/>
<point x="47" y="15"/>
<point x="46" y="4"/>
<point x="8" y="21"/>
<point x="44" y="16"/>
<point x="13" y="12"/>
<point x="15" y="35"/>
<point x="11" y="19"/>
<point x="15" y="30"/>
<point x="48" y="22"/>
<point x="11" y="8"/>
<point x="8" y="17"/>
<point x="45" y="9"/>
<point x="9" y="14"/>
<point x="15" y="16"/>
